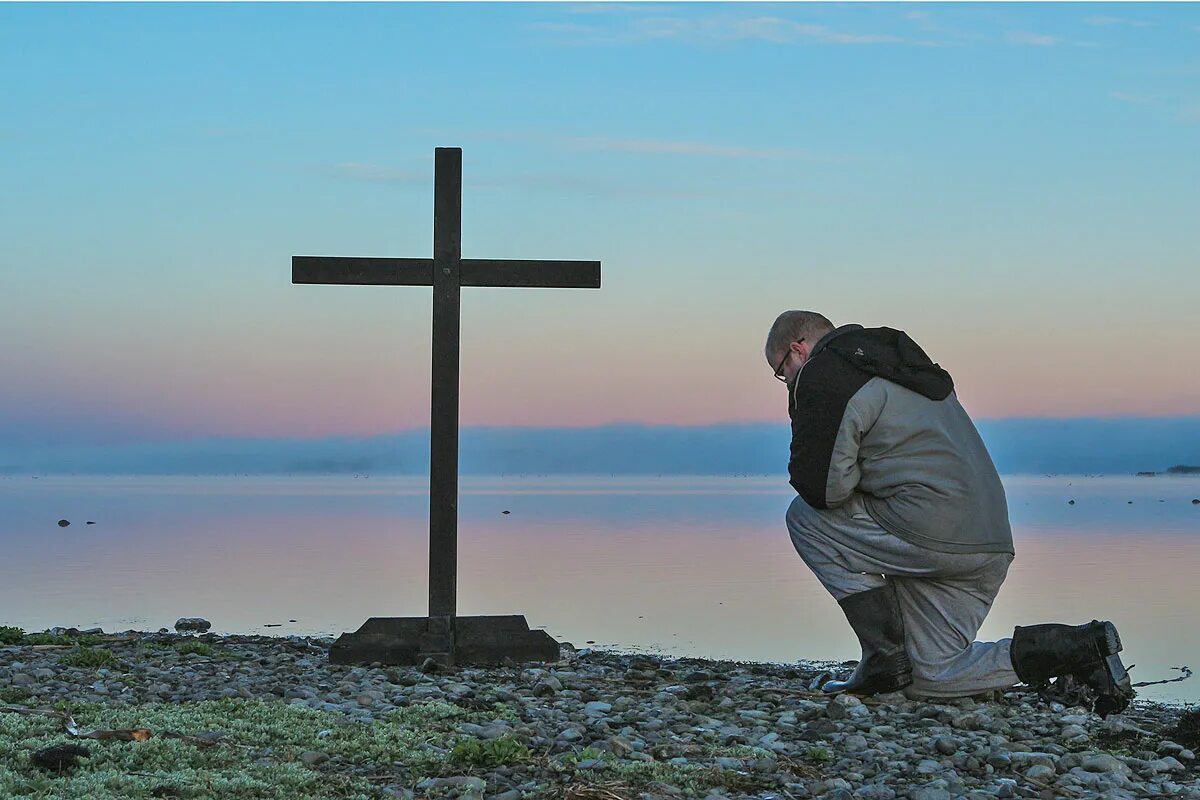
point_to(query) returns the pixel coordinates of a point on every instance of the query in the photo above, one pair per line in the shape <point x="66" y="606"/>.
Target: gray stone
<point x="946" y="745"/>
<point x="468" y="782"/>
<point x="1074" y="732"/>
<point x="854" y="743"/>
<point x="1119" y="723"/>
<point x="1102" y="762"/>
<point x="1166" y="764"/>
<point x="22" y="679"/>
<point x="838" y="794"/>
<point x="929" y="793"/>
<point x="927" y="766"/>
<point x="1040" y="772"/>
<point x="192" y="624"/>
<point x="312" y="758"/>
<point x="1025" y="759"/>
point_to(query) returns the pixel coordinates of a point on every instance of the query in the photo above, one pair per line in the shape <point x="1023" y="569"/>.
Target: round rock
<point x="192" y="624"/>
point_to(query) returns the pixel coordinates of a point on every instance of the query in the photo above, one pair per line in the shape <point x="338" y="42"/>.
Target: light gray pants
<point x="944" y="597"/>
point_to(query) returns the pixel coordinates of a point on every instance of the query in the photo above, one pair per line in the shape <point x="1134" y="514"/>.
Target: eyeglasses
<point x="779" y="370"/>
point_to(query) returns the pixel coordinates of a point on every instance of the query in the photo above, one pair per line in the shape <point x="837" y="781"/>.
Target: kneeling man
<point x="902" y="517"/>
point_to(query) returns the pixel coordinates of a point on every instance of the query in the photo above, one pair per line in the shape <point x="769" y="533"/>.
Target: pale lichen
<point x="258" y="756"/>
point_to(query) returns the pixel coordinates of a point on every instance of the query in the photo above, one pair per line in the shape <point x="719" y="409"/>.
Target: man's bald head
<point x="791" y="326"/>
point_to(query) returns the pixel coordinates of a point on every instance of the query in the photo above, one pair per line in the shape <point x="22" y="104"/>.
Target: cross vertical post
<point x="443" y="429"/>
<point x="443" y="635"/>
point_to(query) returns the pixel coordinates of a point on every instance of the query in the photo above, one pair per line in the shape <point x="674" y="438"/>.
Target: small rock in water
<point x="505" y="512"/>
<point x="1196" y="501"/>
<point x="272" y="624"/>
<point x="192" y="624"/>
<point x="291" y="620"/>
<point x="62" y="523"/>
<point x="90" y="522"/>
<point x="1070" y="502"/>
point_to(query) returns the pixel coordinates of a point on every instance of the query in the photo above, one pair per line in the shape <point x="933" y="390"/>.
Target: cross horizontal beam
<point x="419" y="272"/>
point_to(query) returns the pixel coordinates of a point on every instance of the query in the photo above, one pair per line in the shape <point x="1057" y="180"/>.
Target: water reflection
<point x="688" y="566"/>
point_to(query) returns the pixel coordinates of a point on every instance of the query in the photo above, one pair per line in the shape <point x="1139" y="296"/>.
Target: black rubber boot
<point x="875" y="617"/>
<point x="1110" y="681"/>
<point x="1088" y="653"/>
<point x="1042" y="652"/>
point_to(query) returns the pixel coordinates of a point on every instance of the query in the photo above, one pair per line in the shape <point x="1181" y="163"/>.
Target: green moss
<point x="230" y="769"/>
<point x="502" y="751"/>
<point x="819" y="754"/>
<point x="742" y="781"/>
<point x="571" y="758"/>
<point x="194" y="648"/>
<point x="10" y="635"/>
<point x="89" y="658"/>
<point x="689" y="777"/>
<point x="13" y="694"/>
<point x="86" y="640"/>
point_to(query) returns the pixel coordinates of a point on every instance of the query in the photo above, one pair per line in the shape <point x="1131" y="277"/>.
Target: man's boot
<point x="875" y="617"/>
<point x="1086" y="652"/>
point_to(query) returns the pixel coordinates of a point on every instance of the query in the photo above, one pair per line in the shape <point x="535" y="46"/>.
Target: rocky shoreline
<point x="255" y="716"/>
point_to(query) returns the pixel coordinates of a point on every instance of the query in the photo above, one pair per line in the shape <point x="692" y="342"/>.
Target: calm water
<point x="686" y="566"/>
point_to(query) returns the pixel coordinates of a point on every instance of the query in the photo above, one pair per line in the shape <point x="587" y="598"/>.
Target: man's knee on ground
<point x="934" y="675"/>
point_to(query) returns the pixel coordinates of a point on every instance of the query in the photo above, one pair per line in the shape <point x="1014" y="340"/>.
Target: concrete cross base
<point x="475" y="641"/>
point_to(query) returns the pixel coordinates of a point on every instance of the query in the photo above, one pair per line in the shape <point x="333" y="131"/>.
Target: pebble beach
<point x="171" y="715"/>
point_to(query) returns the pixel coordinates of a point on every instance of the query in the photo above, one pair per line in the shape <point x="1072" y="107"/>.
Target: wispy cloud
<point x="1110" y="22"/>
<point x="593" y="187"/>
<point x="618" y="144"/>
<point x="537" y="182"/>
<point x="375" y="173"/>
<point x="943" y="34"/>
<point x="227" y="131"/>
<point x="676" y="148"/>
<point x="1032" y="39"/>
<point x="776" y="29"/>
<point x="1035" y="39"/>
<point x="635" y="28"/>
<point x="1139" y="98"/>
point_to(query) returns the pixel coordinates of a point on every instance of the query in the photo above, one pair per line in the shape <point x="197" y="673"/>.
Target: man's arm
<point x="824" y="451"/>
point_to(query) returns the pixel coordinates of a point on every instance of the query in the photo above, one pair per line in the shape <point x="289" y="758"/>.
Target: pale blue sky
<point x="1014" y="185"/>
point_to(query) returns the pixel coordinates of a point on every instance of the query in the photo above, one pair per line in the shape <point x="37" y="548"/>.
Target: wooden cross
<point x="447" y="272"/>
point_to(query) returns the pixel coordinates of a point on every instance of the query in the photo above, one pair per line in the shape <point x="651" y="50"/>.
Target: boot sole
<point x="875" y="685"/>
<point x="1112" y="640"/>
<point x="1111" y="682"/>
<point x="1117" y="673"/>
